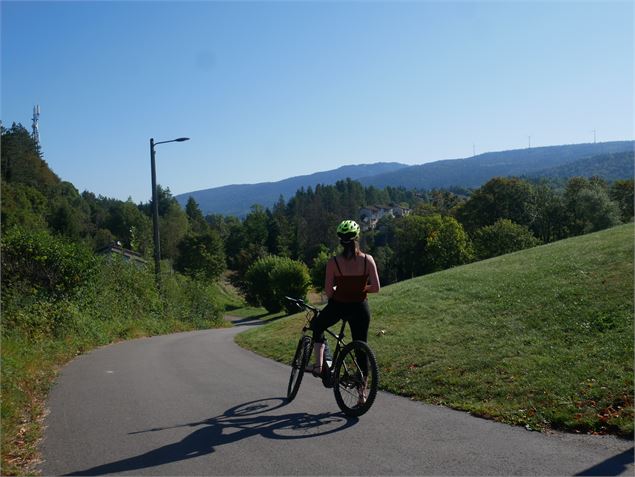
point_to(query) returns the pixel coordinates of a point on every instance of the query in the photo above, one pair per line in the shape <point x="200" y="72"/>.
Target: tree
<point x="201" y="255"/>
<point x="499" y="198"/>
<point x="124" y="218"/>
<point x="172" y="228"/>
<point x="280" y="236"/>
<point x="551" y="215"/>
<point x="589" y="206"/>
<point x="504" y="236"/>
<point x="22" y="162"/>
<point x="23" y="205"/>
<point x="255" y="226"/>
<point x="428" y="244"/>
<point x="384" y="258"/>
<point x="234" y="243"/>
<point x="448" y="244"/>
<point x="195" y="217"/>
<point x="621" y="192"/>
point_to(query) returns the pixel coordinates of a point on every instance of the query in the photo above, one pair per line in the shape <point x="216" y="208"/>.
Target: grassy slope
<point x="542" y="337"/>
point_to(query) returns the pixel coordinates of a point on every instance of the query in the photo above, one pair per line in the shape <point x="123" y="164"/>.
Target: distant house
<point x="370" y="215"/>
<point x="115" y="248"/>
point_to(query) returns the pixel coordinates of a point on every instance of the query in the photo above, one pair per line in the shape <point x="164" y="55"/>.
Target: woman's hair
<point x="351" y="248"/>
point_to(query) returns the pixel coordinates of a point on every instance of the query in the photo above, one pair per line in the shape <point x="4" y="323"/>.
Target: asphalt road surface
<point x="197" y="404"/>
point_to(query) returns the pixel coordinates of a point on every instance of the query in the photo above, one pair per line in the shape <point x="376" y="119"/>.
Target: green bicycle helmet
<point x="348" y="229"/>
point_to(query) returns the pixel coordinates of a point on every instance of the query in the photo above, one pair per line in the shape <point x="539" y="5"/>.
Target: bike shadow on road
<point x="240" y="422"/>
<point x="256" y="320"/>
<point x="616" y="465"/>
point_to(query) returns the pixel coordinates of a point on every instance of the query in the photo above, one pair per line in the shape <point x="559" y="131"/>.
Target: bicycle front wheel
<point x="298" y="365"/>
<point x="356" y="379"/>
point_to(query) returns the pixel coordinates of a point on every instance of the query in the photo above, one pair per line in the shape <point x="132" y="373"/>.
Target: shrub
<point x="272" y="278"/>
<point x="503" y="237"/>
<point x="122" y="291"/>
<point x="38" y="263"/>
<point x="190" y="301"/>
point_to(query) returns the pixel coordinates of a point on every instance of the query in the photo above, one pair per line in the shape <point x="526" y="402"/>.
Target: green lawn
<point x="541" y="338"/>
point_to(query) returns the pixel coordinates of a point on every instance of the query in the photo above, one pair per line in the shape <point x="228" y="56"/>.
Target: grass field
<point x="541" y="338"/>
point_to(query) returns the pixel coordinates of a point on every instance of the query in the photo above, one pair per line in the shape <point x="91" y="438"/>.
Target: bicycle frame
<point x="312" y="313"/>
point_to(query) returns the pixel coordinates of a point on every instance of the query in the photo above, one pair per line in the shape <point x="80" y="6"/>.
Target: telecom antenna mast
<point x="36" y="123"/>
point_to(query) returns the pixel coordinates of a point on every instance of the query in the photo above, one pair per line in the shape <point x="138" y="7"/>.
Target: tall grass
<point x="39" y="334"/>
<point x="541" y="338"/>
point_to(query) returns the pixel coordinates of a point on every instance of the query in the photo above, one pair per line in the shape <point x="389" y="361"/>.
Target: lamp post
<point x="155" y="207"/>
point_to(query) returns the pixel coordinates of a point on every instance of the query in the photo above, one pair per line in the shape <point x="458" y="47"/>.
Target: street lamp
<point x="155" y="207"/>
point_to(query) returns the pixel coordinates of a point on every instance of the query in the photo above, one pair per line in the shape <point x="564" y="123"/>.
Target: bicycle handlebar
<point x="301" y="304"/>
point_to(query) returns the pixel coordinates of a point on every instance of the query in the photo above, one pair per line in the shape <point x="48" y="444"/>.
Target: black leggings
<point x="357" y="315"/>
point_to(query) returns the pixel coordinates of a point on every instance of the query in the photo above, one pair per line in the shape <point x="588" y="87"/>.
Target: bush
<point x="40" y="264"/>
<point x="272" y="278"/>
<point x="190" y="301"/>
<point x="503" y="237"/>
<point x="122" y="291"/>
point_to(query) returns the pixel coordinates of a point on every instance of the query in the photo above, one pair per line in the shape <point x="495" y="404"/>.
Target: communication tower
<point x="36" y="123"/>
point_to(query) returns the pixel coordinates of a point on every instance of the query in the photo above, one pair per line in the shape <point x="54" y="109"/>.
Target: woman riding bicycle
<point x="349" y="277"/>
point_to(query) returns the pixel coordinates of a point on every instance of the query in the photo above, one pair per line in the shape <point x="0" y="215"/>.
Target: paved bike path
<point x="197" y="404"/>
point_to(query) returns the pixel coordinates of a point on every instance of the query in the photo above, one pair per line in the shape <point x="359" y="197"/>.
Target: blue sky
<point x="270" y="90"/>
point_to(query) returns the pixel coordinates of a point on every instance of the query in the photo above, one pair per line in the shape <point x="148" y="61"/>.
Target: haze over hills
<point x="612" y="160"/>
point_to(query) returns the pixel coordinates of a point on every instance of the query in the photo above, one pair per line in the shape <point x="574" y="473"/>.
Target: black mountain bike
<point x="352" y="373"/>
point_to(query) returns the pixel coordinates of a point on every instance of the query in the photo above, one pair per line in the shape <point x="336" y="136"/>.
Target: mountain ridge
<point x="471" y="172"/>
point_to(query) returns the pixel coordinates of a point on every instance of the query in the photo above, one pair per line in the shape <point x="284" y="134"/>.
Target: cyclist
<point x="349" y="277"/>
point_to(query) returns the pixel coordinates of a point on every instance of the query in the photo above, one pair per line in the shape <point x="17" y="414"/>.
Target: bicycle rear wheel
<point x="356" y="379"/>
<point x="299" y="363"/>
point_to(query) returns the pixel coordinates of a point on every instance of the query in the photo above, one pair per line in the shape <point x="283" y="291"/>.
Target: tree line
<point x="443" y="228"/>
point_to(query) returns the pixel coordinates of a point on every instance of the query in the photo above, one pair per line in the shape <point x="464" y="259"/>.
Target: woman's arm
<point x="373" y="277"/>
<point x="329" y="279"/>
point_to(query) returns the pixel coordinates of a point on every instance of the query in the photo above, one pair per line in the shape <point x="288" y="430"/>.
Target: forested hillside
<point x="616" y="166"/>
<point x="237" y="199"/>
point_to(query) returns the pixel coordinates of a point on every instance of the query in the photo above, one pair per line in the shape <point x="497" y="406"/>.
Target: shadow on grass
<point x="250" y="419"/>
